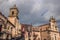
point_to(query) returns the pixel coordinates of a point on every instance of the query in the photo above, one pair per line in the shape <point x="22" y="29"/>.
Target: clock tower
<point x="13" y="16"/>
<point x="13" y="12"/>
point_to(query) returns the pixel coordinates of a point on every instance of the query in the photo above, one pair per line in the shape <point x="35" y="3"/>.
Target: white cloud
<point x="37" y="5"/>
<point x="12" y="1"/>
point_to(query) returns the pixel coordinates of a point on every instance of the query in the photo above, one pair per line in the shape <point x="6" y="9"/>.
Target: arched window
<point x="38" y="38"/>
<point x="44" y="39"/>
<point x="12" y="12"/>
<point x="1" y="24"/>
<point x="35" y="36"/>
<point x="55" y="36"/>
<point x="29" y="39"/>
<point x="0" y="27"/>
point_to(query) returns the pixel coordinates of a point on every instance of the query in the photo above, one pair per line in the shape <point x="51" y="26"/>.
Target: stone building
<point x="48" y="31"/>
<point x="10" y="28"/>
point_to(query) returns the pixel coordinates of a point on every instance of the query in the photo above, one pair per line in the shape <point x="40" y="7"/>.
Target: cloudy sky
<point x="34" y="12"/>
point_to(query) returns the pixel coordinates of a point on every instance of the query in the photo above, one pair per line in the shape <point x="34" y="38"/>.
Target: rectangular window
<point x="0" y="27"/>
<point x="55" y="37"/>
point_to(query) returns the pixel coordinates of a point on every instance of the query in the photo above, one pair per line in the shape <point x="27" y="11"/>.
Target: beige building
<point x="11" y="28"/>
<point x="48" y="31"/>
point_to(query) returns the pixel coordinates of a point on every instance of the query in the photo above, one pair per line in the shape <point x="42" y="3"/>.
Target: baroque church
<point x="11" y="29"/>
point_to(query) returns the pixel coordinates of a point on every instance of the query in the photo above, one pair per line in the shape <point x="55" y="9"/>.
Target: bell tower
<point x="13" y="11"/>
<point x="13" y="15"/>
<point x="53" y="24"/>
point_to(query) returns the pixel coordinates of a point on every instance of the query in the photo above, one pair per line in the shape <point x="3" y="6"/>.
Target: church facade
<point x="10" y="28"/>
<point x="48" y="31"/>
